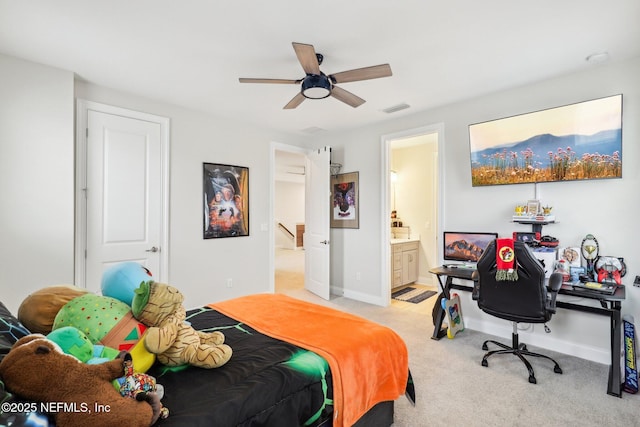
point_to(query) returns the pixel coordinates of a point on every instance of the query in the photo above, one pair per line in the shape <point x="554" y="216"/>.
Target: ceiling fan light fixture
<point x="316" y="86"/>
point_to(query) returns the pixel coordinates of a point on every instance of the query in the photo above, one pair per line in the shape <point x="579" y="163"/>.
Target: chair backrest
<point x="522" y="300"/>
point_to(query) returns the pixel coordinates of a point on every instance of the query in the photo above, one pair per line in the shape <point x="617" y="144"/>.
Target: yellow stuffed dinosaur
<point x="170" y="337"/>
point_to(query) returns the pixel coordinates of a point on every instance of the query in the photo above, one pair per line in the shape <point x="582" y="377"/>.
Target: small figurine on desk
<point x="520" y="210"/>
<point x="453" y="310"/>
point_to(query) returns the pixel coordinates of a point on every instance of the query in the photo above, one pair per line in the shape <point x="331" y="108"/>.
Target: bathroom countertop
<point x="406" y="240"/>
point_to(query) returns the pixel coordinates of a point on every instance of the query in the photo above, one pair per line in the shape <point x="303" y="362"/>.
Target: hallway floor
<point x="289" y="278"/>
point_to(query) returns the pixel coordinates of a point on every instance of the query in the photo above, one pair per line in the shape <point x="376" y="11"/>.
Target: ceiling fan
<point x="318" y="85"/>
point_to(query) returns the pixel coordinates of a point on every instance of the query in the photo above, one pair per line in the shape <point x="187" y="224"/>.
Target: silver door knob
<point x="153" y="249"/>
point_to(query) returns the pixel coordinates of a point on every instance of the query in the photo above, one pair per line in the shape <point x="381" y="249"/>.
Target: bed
<point x="294" y="364"/>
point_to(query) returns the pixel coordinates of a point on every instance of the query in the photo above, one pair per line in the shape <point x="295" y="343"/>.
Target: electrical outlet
<point x="358" y="276"/>
<point x="229" y="283"/>
<point x="636" y="282"/>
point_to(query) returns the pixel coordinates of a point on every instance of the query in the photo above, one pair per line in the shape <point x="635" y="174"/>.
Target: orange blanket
<point x="369" y="362"/>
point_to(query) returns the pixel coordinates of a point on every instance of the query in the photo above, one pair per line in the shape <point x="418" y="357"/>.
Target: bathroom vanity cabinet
<point x="404" y="261"/>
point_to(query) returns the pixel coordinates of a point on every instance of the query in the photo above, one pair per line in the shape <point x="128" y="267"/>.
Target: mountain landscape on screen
<point x="463" y="250"/>
<point x="547" y="157"/>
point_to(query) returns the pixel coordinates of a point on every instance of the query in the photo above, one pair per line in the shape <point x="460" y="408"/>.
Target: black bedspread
<point x="267" y="382"/>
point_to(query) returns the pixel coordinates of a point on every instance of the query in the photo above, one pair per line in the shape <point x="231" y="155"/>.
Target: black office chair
<point x="527" y="299"/>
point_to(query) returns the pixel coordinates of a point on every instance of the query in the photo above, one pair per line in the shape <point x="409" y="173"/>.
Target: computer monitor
<point x="466" y="247"/>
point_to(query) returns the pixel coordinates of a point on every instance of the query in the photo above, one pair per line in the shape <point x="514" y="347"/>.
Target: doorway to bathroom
<point x="413" y="204"/>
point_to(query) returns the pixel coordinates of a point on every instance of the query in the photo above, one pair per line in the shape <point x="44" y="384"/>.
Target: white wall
<point x="36" y="178"/>
<point x="605" y="208"/>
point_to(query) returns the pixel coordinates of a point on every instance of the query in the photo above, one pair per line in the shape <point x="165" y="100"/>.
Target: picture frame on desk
<point x="533" y="207"/>
<point x="571" y="255"/>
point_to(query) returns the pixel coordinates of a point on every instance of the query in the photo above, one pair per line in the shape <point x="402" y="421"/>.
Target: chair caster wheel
<point x="524" y="347"/>
<point x="485" y="363"/>
<point x="532" y="379"/>
<point x="557" y="370"/>
<point x="484" y="347"/>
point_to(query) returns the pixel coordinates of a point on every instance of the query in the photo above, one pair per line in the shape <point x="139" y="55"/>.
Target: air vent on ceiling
<point x="395" y="108"/>
<point x="313" y="130"/>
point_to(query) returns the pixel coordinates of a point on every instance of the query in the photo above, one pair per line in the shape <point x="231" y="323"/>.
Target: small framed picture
<point x="571" y="255"/>
<point x="533" y="207"/>
<point x="344" y="201"/>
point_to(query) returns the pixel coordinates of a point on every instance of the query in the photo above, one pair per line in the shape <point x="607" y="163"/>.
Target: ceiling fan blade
<point x="346" y="97"/>
<point x="366" y="73"/>
<point x="307" y="57"/>
<point x="297" y="100"/>
<point x="278" y="81"/>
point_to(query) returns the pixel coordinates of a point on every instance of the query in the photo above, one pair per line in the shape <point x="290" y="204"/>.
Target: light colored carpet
<point x="289" y="270"/>
<point x="453" y="389"/>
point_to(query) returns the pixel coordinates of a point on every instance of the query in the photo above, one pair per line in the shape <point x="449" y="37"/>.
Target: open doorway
<point x="289" y="217"/>
<point x="412" y="170"/>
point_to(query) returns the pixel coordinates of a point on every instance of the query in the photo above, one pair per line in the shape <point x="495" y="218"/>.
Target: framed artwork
<point x="574" y="142"/>
<point x="571" y="255"/>
<point x="226" y="200"/>
<point x="344" y="200"/>
<point x="533" y="207"/>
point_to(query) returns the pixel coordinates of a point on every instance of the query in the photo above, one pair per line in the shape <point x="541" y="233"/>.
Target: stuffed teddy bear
<point x="170" y="337"/>
<point x="78" y="394"/>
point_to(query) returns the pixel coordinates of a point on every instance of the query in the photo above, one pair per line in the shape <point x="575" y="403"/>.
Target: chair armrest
<point x="475" y="293"/>
<point x="555" y="282"/>
<point x="554" y="285"/>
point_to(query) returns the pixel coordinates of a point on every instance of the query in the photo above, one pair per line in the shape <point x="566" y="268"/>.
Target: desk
<point x="610" y="305"/>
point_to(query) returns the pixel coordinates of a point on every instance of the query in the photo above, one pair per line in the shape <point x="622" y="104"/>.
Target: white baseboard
<point x="594" y="354"/>
<point x="359" y="296"/>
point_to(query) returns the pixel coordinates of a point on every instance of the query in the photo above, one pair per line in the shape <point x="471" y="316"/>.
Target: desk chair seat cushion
<point x="524" y="300"/>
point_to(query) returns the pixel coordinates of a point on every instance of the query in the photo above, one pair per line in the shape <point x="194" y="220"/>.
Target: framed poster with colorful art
<point x="344" y="201"/>
<point x="226" y="200"/>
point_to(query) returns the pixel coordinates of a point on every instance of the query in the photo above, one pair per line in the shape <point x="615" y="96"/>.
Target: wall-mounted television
<point x="573" y="142"/>
<point x="465" y="247"/>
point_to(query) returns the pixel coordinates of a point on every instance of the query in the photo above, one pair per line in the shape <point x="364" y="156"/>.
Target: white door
<point x="123" y="194"/>
<point x="316" y="231"/>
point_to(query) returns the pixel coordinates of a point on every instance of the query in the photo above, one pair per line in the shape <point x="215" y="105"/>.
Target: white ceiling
<point x="191" y="52"/>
